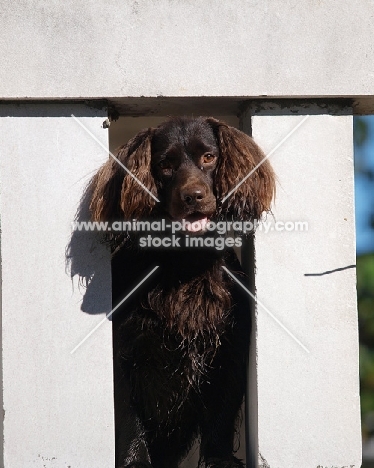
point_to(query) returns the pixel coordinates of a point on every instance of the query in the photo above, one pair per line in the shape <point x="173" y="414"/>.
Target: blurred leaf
<point x="360" y="131"/>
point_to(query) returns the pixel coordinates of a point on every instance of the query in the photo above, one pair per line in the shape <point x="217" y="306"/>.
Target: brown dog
<point x="182" y="338"/>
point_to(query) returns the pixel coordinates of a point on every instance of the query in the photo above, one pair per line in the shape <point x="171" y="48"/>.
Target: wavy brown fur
<point x="240" y="155"/>
<point x="211" y="300"/>
<point x="116" y="194"/>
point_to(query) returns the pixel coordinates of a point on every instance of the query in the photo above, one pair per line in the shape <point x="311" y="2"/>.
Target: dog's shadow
<point x="87" y="257"/>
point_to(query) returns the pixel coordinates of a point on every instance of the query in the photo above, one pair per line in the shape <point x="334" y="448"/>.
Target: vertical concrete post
<point x="307" y="343"/>
<point x="58" y="405"/>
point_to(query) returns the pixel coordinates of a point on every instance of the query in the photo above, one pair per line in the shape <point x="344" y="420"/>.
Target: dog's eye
<point x="208" y="158"/>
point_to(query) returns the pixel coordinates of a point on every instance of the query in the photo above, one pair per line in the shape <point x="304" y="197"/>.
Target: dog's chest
<point x="167" y="374"/>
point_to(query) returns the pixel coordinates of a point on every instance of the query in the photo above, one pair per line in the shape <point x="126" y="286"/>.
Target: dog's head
<point x="190" y="165"/>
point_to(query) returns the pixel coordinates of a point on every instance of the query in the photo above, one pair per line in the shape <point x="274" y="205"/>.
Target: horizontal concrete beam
<point x="166" y="48"/>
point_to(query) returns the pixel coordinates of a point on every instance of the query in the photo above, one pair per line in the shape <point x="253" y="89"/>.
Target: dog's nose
<point x="191" y="197"/>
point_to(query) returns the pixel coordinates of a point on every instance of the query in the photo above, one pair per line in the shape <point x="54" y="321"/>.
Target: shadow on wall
<point x="88" y="258"/>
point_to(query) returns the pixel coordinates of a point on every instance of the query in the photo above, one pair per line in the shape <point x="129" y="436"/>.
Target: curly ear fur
<point x="239" y="156"/>
<point x="115" y="194"/>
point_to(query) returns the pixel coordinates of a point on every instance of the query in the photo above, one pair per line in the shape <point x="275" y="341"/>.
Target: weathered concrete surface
<point x="192" y="48"/>
<point x="58" y="406"/>
<point x="308" y="401"/>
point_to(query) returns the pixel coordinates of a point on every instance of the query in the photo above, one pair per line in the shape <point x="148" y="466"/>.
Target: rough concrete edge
<point x="160" y="105"/>
<point x="48" y="107"/>
<point x="2" y="414"/>
<point x="262" y="463"/>
<point x="251" y="397"/>
<point x="299" y="107"/>
<point x="344" y="466"/>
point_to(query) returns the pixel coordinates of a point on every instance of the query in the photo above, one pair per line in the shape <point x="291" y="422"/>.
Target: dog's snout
<point x="192" y="196"/>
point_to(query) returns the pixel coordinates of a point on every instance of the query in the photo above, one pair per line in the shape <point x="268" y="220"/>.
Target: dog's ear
<point x="116" y="194"/>
<point x="239" y="156"/>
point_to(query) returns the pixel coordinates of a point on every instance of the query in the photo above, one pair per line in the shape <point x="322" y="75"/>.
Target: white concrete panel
<point x="73" y="49"/>
<point x="58" y="406"/>
<point x="308" y="400"/>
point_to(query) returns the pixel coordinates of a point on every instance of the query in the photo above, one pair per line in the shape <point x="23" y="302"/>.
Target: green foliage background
<point x="365" y="285"/>
<point x="365" y="296"/>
